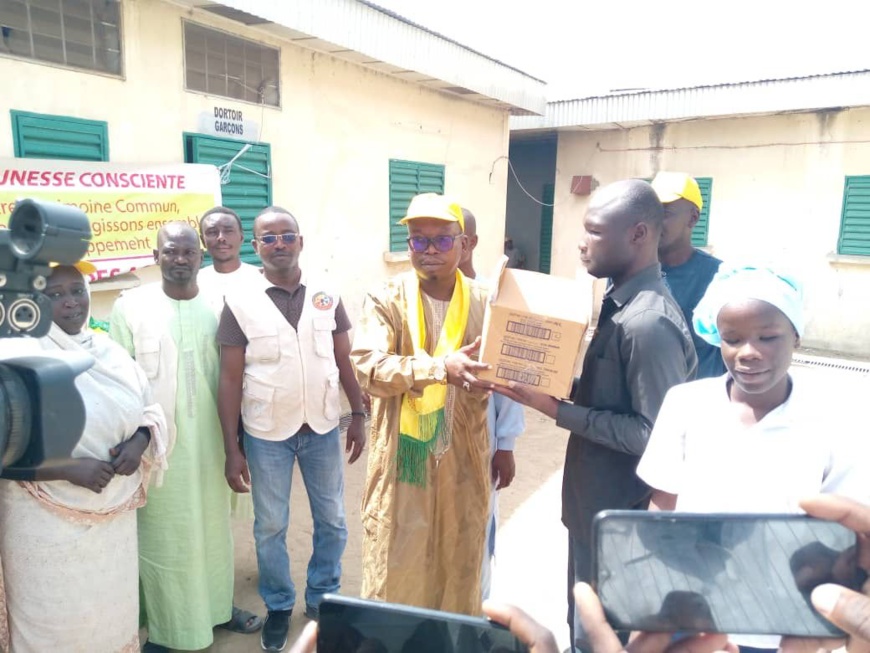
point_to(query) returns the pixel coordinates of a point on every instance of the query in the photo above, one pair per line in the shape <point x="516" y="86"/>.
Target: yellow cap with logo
<point x="436" y="207"/>
<point x="671" y="186"/>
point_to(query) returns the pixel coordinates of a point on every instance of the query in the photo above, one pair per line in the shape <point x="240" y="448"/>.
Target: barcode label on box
<point x="529" y="330"/>
<point x="524" y="353"/>
<point x="526" y="378"/>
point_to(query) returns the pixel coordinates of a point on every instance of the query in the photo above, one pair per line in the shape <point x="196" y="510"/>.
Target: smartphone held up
<point x="726" y="573"/>
<point x="348" y="625"/>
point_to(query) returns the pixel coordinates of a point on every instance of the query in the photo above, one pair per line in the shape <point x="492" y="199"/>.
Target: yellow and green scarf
<point x="423" y="420"/>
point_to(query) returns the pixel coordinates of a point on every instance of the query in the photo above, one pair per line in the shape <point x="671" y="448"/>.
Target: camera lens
<point x="48" y="232"/>
<point x="15" y="416"/>
<point x="27" y="235"/>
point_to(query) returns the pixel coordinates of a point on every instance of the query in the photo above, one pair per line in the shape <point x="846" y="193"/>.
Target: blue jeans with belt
<point x="321" y="462"/>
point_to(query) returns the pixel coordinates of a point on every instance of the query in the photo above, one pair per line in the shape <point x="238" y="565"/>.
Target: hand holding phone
<point x="679" y="572"/>
<point x="847" y="608"/>
<point x="348" y="625"/>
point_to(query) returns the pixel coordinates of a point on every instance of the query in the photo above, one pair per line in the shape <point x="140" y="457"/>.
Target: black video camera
<point x="42" y="415"/>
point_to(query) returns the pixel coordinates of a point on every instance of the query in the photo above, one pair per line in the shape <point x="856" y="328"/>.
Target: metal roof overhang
<point x="365" y="34"/>
<point x="622" y="110"/>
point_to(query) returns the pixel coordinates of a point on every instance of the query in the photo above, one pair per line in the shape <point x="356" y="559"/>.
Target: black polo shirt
<point x="641" y="347"/>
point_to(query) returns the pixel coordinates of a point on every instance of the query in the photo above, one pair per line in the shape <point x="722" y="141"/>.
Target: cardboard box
<point x="533" y="329"/>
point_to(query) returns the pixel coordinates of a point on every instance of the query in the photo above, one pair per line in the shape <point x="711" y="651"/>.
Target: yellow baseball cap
<point x="671" y="186"/>
<point x="435" y="206"/>
<point x="85" y="267"/>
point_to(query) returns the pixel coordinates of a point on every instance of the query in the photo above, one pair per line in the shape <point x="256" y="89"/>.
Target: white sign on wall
<point x="228" y="123"/>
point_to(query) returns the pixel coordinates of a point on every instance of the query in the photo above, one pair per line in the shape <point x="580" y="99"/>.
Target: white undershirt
<point x="215" y="285"/>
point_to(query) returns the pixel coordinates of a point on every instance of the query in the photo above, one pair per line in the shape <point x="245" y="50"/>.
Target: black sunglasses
<point x="271" y="239"/>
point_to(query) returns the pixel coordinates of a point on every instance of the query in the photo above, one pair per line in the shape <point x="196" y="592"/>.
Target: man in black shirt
<point x="641" y="348"/>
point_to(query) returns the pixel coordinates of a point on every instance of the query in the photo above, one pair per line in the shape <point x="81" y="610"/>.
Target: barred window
<point x="218" y="63"/>
<point x="78" y="33"/>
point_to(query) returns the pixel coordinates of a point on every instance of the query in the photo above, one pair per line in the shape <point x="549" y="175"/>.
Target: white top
<point x="700" y="451"/>
<point x="215" y="285"/>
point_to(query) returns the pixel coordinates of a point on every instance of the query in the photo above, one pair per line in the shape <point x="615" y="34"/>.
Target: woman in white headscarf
<point x="760" y="438"/>
<point x="68" y="533"/>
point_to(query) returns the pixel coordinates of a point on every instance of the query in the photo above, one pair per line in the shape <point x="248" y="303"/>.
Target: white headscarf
<point x="737" y="284"/>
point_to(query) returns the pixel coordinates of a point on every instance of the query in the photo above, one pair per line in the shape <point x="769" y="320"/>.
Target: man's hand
<point x="522" y="626"/>
<point x="356" y="438"/>
<point x="236" y="472"/>
<point x="462" y="369"/>
<point x="524" y="395"/>
<point x="89" y="473"/>
<point x="602" y="639"/>
<point x="127" y="455"/>
<point x="503" y="468"/>
<point x="843" y="607"/>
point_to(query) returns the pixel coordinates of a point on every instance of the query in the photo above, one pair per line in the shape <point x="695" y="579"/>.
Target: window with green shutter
<point x="409" y="178"/>
<point x="249" y="189"/>
<point x="855" y="221"/>
<point x="41" y="136"/>
<point x="699" y="233"/>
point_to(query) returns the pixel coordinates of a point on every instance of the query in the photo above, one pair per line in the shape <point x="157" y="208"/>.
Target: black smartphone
<point x="740" y="573"/>
<point x="348" y="625"/>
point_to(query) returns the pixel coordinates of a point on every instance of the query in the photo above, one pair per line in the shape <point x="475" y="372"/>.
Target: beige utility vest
<point x="291" y="377"/>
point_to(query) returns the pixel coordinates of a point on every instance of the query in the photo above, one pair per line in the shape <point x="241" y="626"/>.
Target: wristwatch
<point x="439" y="371"/>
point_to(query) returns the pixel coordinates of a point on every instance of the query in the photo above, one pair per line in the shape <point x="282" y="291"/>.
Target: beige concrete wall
<point x="777" y="198"/>
<point x="331" y="140"/>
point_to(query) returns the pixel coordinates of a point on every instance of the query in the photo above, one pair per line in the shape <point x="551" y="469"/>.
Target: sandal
<point x="243" y="622"/>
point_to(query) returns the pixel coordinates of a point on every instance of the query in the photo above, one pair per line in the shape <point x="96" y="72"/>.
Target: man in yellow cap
<point x="687" y="270"/>
<point x="426" y="498"/>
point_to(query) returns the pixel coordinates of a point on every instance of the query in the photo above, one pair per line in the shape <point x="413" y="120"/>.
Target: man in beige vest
<point x="284" y="353"/>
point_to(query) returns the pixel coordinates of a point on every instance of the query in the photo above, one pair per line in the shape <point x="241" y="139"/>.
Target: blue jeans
<point x="321" y="462"/>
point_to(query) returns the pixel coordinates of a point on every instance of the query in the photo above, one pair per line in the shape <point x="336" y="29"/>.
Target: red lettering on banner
<point x="90" y="179"/>
<point x="106" y="274"/>
<point x="134" y="180"/>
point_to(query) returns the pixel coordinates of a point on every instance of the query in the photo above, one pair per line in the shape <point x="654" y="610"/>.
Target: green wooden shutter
<point x="699" y="233"/>
<point x="545" y="245"/>
<point x="409" y="178"/>
<point x="39" y="136"/>
<point x="855" y="220"/>
<point x="249" y="189"/>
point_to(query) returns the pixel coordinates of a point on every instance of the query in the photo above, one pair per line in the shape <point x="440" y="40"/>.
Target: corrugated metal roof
<point x="366" y="34"/>
<point x="847" y="89"/>
<point x="441" y="36"/>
